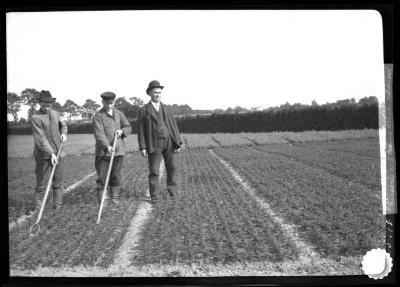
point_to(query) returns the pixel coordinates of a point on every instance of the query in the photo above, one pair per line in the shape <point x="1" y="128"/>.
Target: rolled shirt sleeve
<point x="40" y="137"/>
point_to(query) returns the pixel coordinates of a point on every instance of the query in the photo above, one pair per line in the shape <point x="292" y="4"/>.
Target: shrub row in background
<point x="310" y="118"/>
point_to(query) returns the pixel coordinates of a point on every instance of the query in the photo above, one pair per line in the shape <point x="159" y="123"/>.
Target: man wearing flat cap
<point x="107" y="122"/>
<point x="158" y="137"/>
<point x="49" y="130"/>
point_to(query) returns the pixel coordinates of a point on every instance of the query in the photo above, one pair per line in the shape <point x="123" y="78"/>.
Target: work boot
<point x="99" y="192"/>
<point x="171" y="193"/>
<point x="114" y="194"/>
<point x="39" y="195"/>
<point x="57" y="198"/>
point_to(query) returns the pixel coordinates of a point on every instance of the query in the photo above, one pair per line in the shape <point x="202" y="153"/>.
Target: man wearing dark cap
<point x="49" y="130"/>
<point x="158" y="137"/>
<point x="107" y="122"/>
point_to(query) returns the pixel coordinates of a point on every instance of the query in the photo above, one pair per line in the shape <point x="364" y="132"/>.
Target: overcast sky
<point x="206" y="59"/>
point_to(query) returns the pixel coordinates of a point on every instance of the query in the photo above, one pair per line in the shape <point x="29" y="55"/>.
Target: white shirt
<point x="156" y="105"/>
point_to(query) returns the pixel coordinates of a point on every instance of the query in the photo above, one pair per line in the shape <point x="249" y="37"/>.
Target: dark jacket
<point x="47" y="133"/>
<point x="147" y="127"/>
<point x="104" y="127"/>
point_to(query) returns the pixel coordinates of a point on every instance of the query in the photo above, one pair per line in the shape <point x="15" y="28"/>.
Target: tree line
<point x="343" y="114"/>
<point x="30" y="98"/>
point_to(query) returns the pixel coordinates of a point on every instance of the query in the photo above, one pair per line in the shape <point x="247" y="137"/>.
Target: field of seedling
<point x="247" y="204"/>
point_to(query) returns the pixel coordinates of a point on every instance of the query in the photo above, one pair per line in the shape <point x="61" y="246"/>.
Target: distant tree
<point x="72" y="108"/>
<point x="286" y="106"/>
<point x="57" y="107"/>
<point x="30" y="97"/>
<point x="314" y="103"/>
<point x="218" y="111"/>
<point x="254" y="109"/>
<point x="185" y="109"/>
<point x="368" y="101"/>
<point x="13" y="105"/>
<point x="229" y="110"/>
<point x="137" y="101"/>
<point x="298" y="106"/>
<point x="180" y="109"/>
<point x="124" y="106"/>
<point x="89" y="108"/>
<point x="239" y="109"/>
<point x="22" y="121"/>
<point x="341" y="103"/>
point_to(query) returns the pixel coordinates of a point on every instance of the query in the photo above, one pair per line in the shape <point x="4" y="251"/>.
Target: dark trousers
<point x="42" y="172"/>
<point x="101" y="164"/>
<point x="165" y="150"/>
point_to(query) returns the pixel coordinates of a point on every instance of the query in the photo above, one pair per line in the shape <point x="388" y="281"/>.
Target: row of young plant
<point x="366" y="147"/>
<point x="21" y="181"/>
<point x="361" y="168"/>
<point x="322" y="136"/>
<point x="212" y="219"/>
<point x="22" y="146"/>
<point x="69" y="236"/>
<point x="337" y="216"/>
<point x="192" y="141"/>
<point x="249" y="139"/>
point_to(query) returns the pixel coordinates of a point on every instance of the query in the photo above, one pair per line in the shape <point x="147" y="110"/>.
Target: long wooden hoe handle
<point x="107" y="178"/>
<point x="46" y="192"/>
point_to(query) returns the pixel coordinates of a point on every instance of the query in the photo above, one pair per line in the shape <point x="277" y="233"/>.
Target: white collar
<point x="156" y="105"/>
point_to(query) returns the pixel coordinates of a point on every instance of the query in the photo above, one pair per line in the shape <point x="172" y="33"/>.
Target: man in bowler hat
<point x="107" y="122"/>
<point x="48" y="130"/>
<point x="158" y="138"/>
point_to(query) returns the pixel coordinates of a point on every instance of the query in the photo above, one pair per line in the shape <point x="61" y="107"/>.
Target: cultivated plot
<point x="363" y="147"/>
<point x="77" y="144"/>
<point x="66" y="237"/>
<point x="336" y="215"/>
<point x="358" y="165"/>
<point x="328" y="191"/>
<point x="199" y="141"/>
<point x="212" y="219"/>
<point x="21" y="180"/>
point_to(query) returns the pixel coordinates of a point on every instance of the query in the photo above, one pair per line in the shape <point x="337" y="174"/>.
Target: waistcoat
<point x="162" y="129"/>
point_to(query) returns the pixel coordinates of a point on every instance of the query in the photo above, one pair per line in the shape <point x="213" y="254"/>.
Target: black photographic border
<point x="388" y="11"/>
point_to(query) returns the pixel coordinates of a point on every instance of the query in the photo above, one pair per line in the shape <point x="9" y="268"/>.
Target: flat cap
<point x="108" y="96"/>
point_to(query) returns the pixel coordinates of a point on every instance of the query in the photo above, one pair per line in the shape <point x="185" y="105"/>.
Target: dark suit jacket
<point x="147" y="127"/>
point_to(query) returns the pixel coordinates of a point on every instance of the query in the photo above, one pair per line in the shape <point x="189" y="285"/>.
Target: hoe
<point x="107" y="179"/>
<point x="45" y="196"/>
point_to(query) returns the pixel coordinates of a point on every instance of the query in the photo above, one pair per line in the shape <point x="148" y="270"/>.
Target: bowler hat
<point x="152" y="85"/>
<point x="108" y="96"/>
<point x="45" y="97"/>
